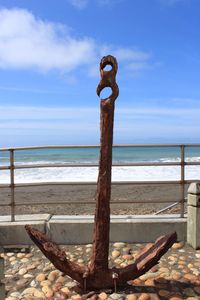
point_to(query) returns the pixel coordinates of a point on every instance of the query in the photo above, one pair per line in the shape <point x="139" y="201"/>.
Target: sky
<point x="49" y="69"/>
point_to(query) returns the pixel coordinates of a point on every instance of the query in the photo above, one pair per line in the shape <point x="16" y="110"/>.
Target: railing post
<point x="12" y="185"/>
<point x="182" y="180"/>
<point x="2" y="285"/>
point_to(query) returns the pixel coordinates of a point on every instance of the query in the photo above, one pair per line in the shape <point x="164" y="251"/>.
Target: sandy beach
<point x="30" y="197"/>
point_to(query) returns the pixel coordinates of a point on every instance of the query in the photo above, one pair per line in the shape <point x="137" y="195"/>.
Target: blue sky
<point x="49" y="61"/>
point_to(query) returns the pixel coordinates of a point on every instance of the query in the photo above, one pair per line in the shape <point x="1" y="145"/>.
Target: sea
<point x="122" y="155"/>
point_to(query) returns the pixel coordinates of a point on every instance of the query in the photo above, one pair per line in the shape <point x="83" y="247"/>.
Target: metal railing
<point x="182" y="182"/>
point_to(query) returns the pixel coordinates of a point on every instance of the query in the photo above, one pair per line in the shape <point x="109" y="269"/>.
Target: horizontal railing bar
<point x="191" y="145"/>
<point x="90" y="183"/>
<point x="5" y="168"/>
<point x="182" y="163"/>
<point x="93" y="202"/>
<point x="94" y="183"/>
<point x="192" y="180"/>
<point x="4" y="185"/>
<point x="137" y="164"/>
<point x="54" y="166"/>
<point x="192" y="163"/>
<point x="97" y="146"/>
<point x="48" y="147"/>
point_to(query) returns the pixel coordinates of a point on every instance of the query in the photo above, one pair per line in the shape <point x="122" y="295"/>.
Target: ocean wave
<point x="84" y="174"/>
<point x="5" y="161"/>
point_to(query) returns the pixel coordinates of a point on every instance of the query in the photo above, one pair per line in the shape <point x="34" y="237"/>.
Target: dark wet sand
<point x="73" y="193"/>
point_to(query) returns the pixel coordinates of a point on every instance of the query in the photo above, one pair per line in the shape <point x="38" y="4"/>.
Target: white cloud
<point x="130" y="59"/>
<point x="172" y="2"/>
<point x="138" y="66"/>
<point x="31" y="113"/>
<point x="108" y="2"/>
<point x="27" y="42"/>
<point x="176" y="112"/>
<point x="29" y="90"/>
<point x="80" y="124"/>
<point x="125" y="54"/>
<point x="30" y="43"/>
<point x="80" y="4"/>
<point x="35" y="113"/>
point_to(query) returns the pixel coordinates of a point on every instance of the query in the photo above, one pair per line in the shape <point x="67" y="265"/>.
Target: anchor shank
<point x="102" y="212"/>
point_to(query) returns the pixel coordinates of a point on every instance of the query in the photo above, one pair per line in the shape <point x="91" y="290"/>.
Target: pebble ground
<point x="30" y="276"/>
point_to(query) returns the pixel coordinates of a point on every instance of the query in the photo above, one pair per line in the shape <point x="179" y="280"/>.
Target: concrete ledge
<point x="79" y="229"/>
<point x="13" y="233"/>
<point x="26" y="218"/>
<point x="134" y="229"/>
<point x="146" y="230"/>
<point x="117" y="217"/>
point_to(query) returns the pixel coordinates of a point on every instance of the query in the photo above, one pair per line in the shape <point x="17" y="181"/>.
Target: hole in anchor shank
<point x="107" y="67"/>
<point x="105" y="93"/>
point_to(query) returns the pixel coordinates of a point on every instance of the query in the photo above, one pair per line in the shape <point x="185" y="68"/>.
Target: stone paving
<point x="30" y="276"/>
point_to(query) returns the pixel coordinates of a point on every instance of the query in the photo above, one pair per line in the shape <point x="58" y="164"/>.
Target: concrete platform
<point x="24" y="218"/>
<point x="14" y="233"/>
<point x="64" y="229"/>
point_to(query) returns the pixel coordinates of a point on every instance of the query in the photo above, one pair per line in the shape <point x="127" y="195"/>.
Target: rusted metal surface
<point x="97" y="275"/>
<point x="102" y="212"/>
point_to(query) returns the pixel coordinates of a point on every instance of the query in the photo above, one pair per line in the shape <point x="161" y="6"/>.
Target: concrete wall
<point x="79" y="229"/>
